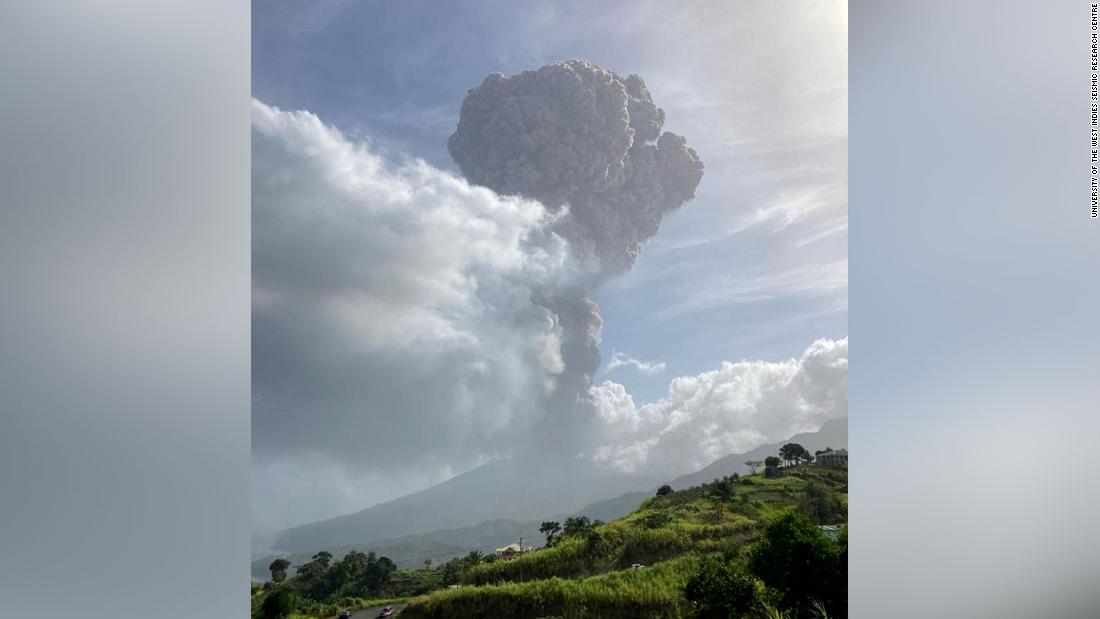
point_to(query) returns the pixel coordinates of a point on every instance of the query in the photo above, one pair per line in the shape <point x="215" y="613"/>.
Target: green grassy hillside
<point x="588" y="573"/>
<point x="631" y="594"/>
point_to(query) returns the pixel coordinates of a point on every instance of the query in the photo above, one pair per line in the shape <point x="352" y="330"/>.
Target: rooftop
<point x="514" y="547"/>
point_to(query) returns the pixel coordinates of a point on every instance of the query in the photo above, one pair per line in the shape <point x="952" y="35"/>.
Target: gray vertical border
<point x="124" y="308"/>
<point x="974" y="396"/>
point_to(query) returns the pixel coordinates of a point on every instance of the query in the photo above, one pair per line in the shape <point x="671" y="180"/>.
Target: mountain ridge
<point x="469" y="500"/>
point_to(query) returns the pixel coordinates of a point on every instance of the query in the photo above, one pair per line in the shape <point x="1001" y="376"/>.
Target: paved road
<point x="372" y="612"/>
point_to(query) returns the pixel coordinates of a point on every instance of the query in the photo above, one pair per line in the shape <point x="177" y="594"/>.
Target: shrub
<point x="277" y="604"/>
<point x="720" y="590"/>
<point x="822" y="506"/>
<point x="802" y="565"/>
<point x="656" y="520"/>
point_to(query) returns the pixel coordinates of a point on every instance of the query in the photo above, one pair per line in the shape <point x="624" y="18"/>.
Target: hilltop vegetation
<point x="740" y="546"/>
<point x="721" y="516"/>
<point x="652" y="592"/>
<point x="752" y="542"/>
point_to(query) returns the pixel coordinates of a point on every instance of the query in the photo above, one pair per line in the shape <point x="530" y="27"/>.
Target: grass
<point x="589" y="577"/>
<point x="649" y="593"/>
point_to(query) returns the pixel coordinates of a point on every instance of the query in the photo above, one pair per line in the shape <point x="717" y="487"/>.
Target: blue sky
<point x="754" y="268"/>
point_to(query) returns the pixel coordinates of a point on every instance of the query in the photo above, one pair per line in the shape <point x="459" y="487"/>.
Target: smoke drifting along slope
<point x="394" y="333"/>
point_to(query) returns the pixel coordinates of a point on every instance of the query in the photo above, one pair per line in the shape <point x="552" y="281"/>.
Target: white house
<point x="833" y="458"/>
<point x="513" y="549"/>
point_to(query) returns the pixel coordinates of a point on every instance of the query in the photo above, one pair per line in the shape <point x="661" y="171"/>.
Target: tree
<point x="377" y="572"/>
<point x="804" y="455"/>
<point x="754" y="465"/>
<point x="278" y="570"/>
<point x="550" y="528"/>
<point x="278" y="604"/>
<point x="822" y="506"/>
<point x="787" y="452"/>
<point x="794" y="453"/>
<point x="771" y="461"/>
<point x="474" y="557"/>
<point x="795" y="559"/>
<point x="310" y="580"/>
<point x="452" y="572"/>
<point x="324" y="558"/>
<point x="309" y="570"/>
<point x="719" y="590"/>
<point x="721" y="489"/>
<point x="578" y="525"/>
<point x="354" y="560"/>
<point x="664" y="490"/>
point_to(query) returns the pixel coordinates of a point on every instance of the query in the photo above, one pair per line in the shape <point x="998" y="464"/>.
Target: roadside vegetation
<point x="738" y="547"/>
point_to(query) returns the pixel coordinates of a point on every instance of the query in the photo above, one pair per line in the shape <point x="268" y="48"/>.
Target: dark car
<point x="386" y="612"/>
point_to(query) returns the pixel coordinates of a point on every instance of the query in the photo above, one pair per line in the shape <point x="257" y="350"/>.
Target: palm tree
<point x="278" y="570"/>
<point x="550" y="528"/>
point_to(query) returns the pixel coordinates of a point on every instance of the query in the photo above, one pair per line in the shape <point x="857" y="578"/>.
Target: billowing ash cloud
<point x="729" y="410"/>
<point x="583" y="141"/>
<point x="572" y="134"/>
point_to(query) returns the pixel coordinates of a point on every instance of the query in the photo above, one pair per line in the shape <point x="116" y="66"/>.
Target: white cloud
<point x="393" y="327"/>
<point x="619" y="360"/>
<point x="729" y="410"/>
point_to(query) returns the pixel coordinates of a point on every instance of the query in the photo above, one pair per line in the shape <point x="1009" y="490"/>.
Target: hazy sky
<point x="754" y="269"/>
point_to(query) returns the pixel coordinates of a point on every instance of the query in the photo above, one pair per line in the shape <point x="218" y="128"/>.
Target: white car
<point x="637" y="566"/>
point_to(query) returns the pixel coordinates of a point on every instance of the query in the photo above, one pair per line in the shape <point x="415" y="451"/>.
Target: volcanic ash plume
<point x="588" y="145"/>
<point x="572" y="134"/>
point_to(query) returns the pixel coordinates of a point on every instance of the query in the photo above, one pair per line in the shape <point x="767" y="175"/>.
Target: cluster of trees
<point x="323" y="582"/>
<point x="321" y="578"/>
<point x="794" y="567"/>
<point x="453" y="570"/>
<point x="722" y="489"/>
<point x="791" y="453"/>
<point x="821" y="505"/>
<point x="580" y="526"/>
